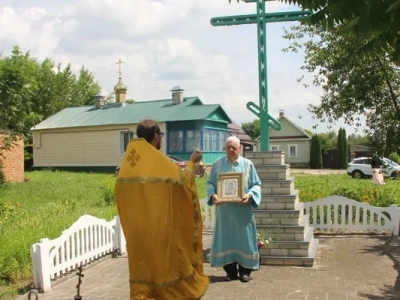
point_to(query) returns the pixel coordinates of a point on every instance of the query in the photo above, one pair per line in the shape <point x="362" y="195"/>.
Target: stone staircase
<point x="280" y="217"/>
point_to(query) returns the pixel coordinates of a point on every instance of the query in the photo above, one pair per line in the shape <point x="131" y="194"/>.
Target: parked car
<point x="361" y="168"/>
<point x="181" y="163"/>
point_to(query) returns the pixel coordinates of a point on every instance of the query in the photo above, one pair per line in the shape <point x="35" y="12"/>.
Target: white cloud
<point x="164" y="43"/>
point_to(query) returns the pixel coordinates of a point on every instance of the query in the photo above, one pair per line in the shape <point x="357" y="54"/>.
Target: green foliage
<point x="6" y="211"/>
<point x="314" y="187"/>
<point x="31" y="91"/>
<point x="374" y="23"/>
<point x="328" y="140"/>
<point x="252" y="129"/>
<point x="367" y="87"/>
<point x="315" y="153"/>
<point x="392" y="140"/>
<point x="357" y="139"/>
<point x="2" y="175"/>
<point x="343" y="150"/>
<point x="395" y="157"/>
<point x="108" y="190"/>
<point x="45" y="205"/>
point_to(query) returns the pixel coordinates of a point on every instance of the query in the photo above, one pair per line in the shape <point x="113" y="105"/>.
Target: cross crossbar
<point x="252" y="19"/>
<point x="261" y="18"/>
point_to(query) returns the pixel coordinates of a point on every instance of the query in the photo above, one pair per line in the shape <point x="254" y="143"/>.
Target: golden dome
<point x="120" y="86"/>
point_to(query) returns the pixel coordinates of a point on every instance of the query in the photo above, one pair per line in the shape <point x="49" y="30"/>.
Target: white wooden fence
<point x="86" y="240"/>
<point x="91" y="238"/>
<point x="337" y="213"/>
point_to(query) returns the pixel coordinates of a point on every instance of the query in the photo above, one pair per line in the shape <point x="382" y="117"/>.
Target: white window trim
<point x="297" y="149"/>
<point x="121" y="140"/>
<point x="277" y="146"/>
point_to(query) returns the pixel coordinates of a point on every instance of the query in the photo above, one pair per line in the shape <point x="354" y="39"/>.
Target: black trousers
<point x="232" y="270"/>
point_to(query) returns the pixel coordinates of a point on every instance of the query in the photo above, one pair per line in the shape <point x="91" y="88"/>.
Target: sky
<point x="166" y="43"/>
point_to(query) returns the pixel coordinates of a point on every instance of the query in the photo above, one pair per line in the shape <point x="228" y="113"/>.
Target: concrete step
<point x="279" y="202"/>
<point x="266" y="157"/>
<point x="277" y="187"/>
<point x="289" y="248"/>
<point x="299" y="232"/>
<point x="286" y="261"/>
<point x="278" y="217"/>
<point x="284" y="252"/>
<point x="282" y="232"/>
<point x="273" y="172"/>
<point x="292" y="259"/>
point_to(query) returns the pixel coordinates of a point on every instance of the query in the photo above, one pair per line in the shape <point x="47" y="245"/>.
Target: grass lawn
<point x="314" y="187"/>
<point x="49" y="202"/>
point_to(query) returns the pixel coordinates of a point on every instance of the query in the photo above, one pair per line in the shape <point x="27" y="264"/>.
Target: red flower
<point x="260" y="244"/>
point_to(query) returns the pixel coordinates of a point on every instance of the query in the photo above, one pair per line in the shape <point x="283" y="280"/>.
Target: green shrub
<point x="348" y="193"/>
<point x="315" y="153"/>
<point x="342" y="147"/>
<point x="395" y="157"/>
<point x="108" y="190"/>
<point x="2" y="175"/>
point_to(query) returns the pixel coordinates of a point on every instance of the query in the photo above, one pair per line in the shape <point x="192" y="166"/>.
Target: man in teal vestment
<point x="234" y="244"/>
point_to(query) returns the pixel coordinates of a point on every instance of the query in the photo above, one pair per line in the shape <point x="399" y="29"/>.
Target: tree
<point x="342" y="147"/>
<point x="17" y="86"/>
<point x="368" y="87"/>
<point x="315" y="153"/>
<point x="252" y="129"/>
<point x="372" y="21"/>
<point x="31" y="91"/>
<point x="357" y="139"/>
<point x="328" y="140"/>
<point x="375" y="22"/>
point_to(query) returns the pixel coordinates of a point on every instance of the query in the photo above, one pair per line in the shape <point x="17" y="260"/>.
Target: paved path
<point x="317" y="171"/>
<point x="346" y="267"/>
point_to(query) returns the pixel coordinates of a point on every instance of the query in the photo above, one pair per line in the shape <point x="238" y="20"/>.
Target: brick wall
<point x="13" y="162"/>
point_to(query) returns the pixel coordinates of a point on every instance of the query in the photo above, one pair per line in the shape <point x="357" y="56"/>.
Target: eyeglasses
<point x="160" y="134"/>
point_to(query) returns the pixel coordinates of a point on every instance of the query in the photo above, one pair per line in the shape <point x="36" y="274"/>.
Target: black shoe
<point x="230" y="277"/>
<point x="244" y="278"/>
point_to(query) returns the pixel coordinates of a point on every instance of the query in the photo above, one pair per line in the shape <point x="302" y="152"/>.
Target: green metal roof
<point x="190" y="108"/>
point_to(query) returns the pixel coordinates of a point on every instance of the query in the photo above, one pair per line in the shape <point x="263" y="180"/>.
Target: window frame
<point x="296" y="150"/>
<point x="206" y="139"/>
<point x="121" y="137"/>
<point x="277" y="146"/>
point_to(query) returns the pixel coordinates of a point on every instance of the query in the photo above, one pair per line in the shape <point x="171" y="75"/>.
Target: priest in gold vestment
<point x="160" y="215"/>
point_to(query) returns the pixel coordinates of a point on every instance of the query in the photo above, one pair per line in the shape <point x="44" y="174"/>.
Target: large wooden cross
<point x="261" y="18"/>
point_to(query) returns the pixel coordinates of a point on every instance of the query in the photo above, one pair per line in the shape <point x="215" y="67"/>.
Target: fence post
<point x="395" y="219"/>
<point x="119" y="237"/>
<point x="35" y="265"/>
<point x="42" y="265"/>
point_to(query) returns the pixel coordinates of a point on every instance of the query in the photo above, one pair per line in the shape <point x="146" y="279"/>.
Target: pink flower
<point x="260" y="244"/>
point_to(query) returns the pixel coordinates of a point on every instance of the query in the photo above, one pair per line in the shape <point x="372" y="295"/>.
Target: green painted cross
<point x="261" y="18"/>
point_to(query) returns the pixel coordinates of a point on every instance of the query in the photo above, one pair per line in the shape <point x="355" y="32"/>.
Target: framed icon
<point x="230" y="187"/>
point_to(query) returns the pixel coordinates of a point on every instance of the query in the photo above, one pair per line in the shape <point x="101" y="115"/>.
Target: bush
<point x="108" y="190"/>
<point x="315" y="153"/>
<point x="395" y="157"/>
<point x="342" y="147"/>
<point x="2" y="175"/>
<point x="375" y="196"/>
